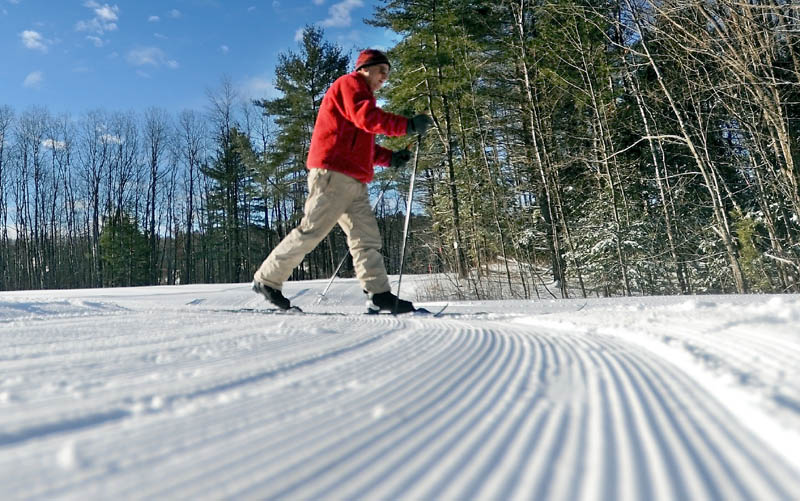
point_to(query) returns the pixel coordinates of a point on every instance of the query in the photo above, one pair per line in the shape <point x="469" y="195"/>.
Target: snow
<point x="167" y="392"/>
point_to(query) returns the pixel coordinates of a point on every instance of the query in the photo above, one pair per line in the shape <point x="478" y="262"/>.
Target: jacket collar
<point x="363" y="81"/>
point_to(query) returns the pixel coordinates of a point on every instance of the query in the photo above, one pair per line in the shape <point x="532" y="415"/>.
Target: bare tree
<point x="192" y="145"/>
<point x="520" y="15"/>
<point x="94" y="153"/>
<point x="156" y="140"/>
<point x="6" y="124"/>
<point x="31" y="193"/>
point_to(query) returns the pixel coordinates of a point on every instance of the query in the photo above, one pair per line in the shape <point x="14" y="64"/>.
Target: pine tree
<point x="303" y="78"/>
<point x="230" y="175"/>
<point x="124" y="251"/>
<point x="428" y="76"/>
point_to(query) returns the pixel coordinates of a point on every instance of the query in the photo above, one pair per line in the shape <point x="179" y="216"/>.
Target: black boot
<point x="385" y="301"/>
<point x="274" y="296"/>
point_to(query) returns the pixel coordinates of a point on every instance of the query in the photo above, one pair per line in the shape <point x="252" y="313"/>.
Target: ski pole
<point x="405" y="225"/>
<point x="374" y="206"/>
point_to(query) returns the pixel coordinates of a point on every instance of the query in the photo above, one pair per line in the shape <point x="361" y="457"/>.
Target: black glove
<point x="400" y="158"/>
<point x="418" y="125"/>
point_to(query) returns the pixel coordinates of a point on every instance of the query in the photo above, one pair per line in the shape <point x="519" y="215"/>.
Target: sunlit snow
<point x="171" y="393"/>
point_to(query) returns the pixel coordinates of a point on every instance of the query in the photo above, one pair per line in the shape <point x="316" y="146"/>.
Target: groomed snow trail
<point x="159" y="393"/>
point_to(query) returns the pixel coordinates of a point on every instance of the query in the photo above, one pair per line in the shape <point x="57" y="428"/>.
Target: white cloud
<point x="107" y="13"/>
<point x="52" y="144"/>
<point x="175" y="14"/>
<point x="160" y="36"/>
<point x="33" y="80"/>
<point x="111" y="139"/>
<point x="33" y="40"/>
<point x="13" y="1"/>
<point x="153" y="19"/>
<point x="97" y="41"/>
<point x="145" y="56"/>
<point x="105" y="18"/>
<point x="355" y="37"/>
<point x="319" y="2"/>
<point x="150" y="56"/>
<point x="259" y="87"/>
<point x="339" y="14"/>
<point x="252" y="8"/>
<point x="298" y="35"/>
<point x="224" y="49"/>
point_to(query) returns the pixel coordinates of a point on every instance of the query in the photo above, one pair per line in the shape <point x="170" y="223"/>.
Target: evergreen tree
<point x="430" y="73"/>
<point x="231" y="178"/>
<point x="124" y="251"/>
<point x="302" y="78"/>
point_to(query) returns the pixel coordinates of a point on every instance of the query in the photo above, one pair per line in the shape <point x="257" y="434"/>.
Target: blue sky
<point x="77" y="55"/>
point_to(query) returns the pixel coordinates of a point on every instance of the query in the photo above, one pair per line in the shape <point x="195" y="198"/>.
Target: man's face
<point x="375" y="75"/>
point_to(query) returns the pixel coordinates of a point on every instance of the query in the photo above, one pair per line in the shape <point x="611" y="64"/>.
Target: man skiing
<point x="341" y="163"/>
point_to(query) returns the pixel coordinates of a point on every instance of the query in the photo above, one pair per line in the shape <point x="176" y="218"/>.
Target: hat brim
<point x="373" y="63"/>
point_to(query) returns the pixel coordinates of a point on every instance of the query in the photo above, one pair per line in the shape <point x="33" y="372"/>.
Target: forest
<point x="583" y="148"/>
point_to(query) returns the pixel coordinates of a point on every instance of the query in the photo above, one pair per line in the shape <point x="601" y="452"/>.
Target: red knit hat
<point x="370" y="57"/>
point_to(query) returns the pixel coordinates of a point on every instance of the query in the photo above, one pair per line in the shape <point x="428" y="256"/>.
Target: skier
<point x="341" y="163"/>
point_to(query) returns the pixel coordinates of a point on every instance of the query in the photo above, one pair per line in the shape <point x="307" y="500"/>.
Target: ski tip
<point x="426" y="311"/>
<point x="417" y="311"/>
<point x="437" y="313"/>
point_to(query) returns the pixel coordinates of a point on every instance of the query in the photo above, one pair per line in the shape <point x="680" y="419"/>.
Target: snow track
<point x="133" y="397"/>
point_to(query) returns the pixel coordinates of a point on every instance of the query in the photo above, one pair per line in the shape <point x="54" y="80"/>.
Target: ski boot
<point x="274" y="296"/>
<point x="386" y="301"/>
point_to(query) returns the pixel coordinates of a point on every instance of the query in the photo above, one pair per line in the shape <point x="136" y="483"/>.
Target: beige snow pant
<point x="333" y="198"/>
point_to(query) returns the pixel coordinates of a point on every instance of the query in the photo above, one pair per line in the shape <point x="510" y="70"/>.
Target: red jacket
<point x="344" y="134"/>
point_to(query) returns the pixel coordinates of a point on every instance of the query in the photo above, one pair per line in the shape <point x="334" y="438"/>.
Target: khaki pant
<point x="333" y="198"/>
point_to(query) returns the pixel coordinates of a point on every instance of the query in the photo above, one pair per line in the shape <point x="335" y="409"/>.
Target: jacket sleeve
<point x="383" y="156"/>
<point x="360" y="108"/>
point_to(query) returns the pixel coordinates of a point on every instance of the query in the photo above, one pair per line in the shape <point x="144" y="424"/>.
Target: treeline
<point x="126" y="199"/>
<point x="624" y="147"/>
<point x="634" y="146"/>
